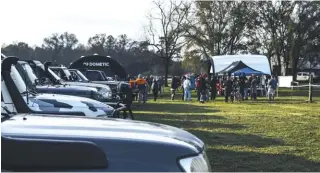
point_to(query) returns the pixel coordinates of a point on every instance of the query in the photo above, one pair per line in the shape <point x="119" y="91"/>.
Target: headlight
<point x="105" y="93"/>
<point x="195" y="164"/>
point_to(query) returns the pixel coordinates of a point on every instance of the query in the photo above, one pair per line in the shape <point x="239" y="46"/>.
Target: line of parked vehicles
<point x="56" y="119"/>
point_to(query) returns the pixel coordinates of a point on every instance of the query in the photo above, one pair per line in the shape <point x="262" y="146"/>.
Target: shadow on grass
<point x="233" y="139"/>
<point x="227" y="161"/>
<point x="182" y="123"/>
<point x="173" y="108"/>
<point x="281" y="102"/>
<point x="223" y="160"/>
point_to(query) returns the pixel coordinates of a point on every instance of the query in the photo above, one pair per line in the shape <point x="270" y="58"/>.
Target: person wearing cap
<point x="141" y="85"/>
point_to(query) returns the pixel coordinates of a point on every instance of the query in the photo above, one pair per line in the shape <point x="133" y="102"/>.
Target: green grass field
<point x="249" y="136"/>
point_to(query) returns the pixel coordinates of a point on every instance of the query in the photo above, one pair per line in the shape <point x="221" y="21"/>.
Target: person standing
<point x="126" y="94"/>
<point x="160" y="84"/>
<point x="198" y="87"/>
<point x="213" y="88"/>
<point x="187" y="89"/>
<point x="147" y="78"/>
<point x="174" y="86"/>
<point x="246" y="88"/>
<point x="228" y="85"/>
<point x="202" y="87"/>
<point x="272" y="86"/>
<point x="254" y="84"/>
<point x="155" y="89"/>
<point x="141" y="85"/>
<point x="182" y="88"/>
<point x="242" y="87"/>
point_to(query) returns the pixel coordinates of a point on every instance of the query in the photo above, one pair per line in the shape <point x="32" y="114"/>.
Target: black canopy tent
<point x="235" y="66"/>
<point x="102" y="63"/>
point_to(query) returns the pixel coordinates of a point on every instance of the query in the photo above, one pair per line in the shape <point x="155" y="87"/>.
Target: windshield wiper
<point x="34" y="93"/>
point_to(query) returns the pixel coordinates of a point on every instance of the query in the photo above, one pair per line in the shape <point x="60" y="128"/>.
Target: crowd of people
<point x="237" y="88"/>
<point x="142" y="86"/>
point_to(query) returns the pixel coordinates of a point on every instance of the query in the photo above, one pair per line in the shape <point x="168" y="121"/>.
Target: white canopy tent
<point x="257" y="62"/>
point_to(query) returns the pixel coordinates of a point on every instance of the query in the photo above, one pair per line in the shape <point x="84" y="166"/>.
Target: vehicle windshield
<point x="95" y="75"/>
<point x="67" y="73"/>
<point x="104" y="75"/>
<point x="54" y="75"/>
<point x="83" y="77"/>
<point x="29" y="73"/>
<point x="62" y="73"/>
<point x="16" y="77"/>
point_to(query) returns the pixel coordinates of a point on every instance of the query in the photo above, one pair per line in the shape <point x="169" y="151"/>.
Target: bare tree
<point x="221" y="27"/>
<point x="60" y="44"/>
<point x="97" y="43"/>
<point x="165" y="30"/>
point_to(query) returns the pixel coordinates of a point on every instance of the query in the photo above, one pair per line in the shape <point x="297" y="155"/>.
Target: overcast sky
<point x="32" y="20"/>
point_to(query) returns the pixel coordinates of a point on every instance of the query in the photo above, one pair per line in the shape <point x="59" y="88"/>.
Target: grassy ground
<point x="250" y="136"/>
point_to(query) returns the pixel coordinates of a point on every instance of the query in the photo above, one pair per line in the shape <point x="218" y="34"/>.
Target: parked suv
<point x="60" y="143"/>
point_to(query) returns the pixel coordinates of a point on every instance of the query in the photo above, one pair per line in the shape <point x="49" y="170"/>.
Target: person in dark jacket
<point x="241" y="87"/>
<point x="182" y="80"/>
<point x="198" y="87"/>
<point x="174" y="86"/>
<point x="155" y="89"/>
<point x="246" y="88"/>
<point x="126" y="93"/>
<point x="213" y="88"/>
<point x="254" y="84"/>
<point x="150" y="80"/>
<point x="202" y="87"/>
<point x="228" y="86"/>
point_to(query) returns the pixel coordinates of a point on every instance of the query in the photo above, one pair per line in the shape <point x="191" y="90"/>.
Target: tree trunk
<point x="295" y="52"/>
<point x="279" y="61"/>
<point x="166" y="72"/>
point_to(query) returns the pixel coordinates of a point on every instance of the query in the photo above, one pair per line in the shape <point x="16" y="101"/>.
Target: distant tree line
<point x="64" y="48"/>
<point x="287" y="32"/>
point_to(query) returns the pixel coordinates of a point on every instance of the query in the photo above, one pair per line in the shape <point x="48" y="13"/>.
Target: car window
<point x="75" y="76"/>
<point x="59" y="73"/>
<point x="81" y="75"/>
<point x="94" y="76"/>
